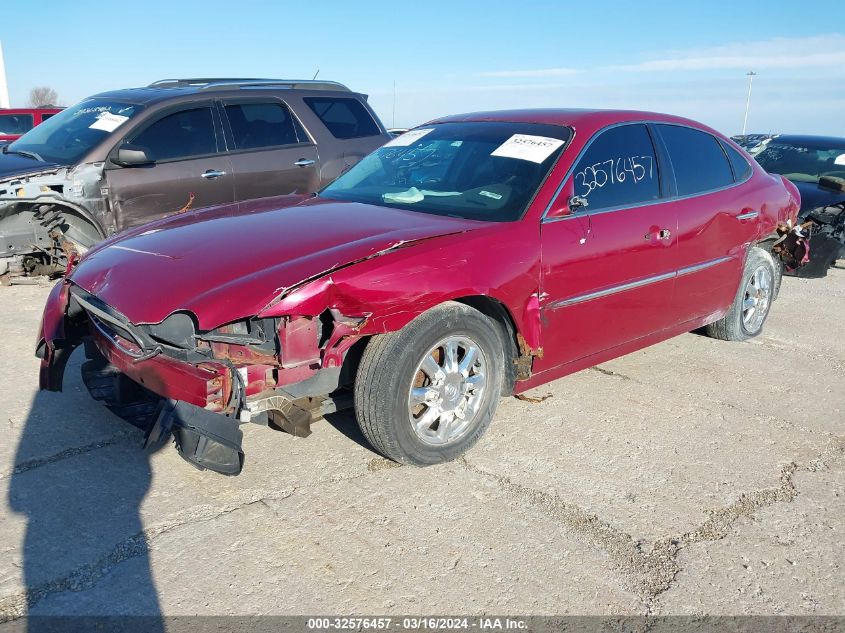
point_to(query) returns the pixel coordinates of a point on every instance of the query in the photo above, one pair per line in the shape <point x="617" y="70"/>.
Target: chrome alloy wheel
<point x="756" y="300"/>
<point x="447" y="390"/>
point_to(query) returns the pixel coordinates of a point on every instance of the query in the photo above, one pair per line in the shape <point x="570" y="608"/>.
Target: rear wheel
<point x="426" y="394"/>
<point x="750" y="307"/>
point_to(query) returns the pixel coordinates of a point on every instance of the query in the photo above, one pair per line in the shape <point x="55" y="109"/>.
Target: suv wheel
<point x="754" y="297"/>
<point x="426" y="394"/>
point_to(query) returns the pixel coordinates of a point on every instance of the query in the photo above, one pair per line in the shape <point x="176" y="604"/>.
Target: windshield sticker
<point x="839" y="160"/>
<point x="408" y="138"/>
<point x="490" y="194"/>
<point x="528" y="147"/>
<point x="108" y="122"/>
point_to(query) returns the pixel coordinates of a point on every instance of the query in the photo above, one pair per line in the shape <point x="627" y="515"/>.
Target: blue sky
<point x="686" y="58"/>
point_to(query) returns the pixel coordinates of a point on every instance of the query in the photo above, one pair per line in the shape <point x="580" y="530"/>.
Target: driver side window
<point x="618" y="169"/>
<point x="179" y="135"/>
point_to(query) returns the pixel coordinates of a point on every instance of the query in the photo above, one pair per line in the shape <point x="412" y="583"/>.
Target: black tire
<point x="392" y="365"/>
<point x="736" y="325"/>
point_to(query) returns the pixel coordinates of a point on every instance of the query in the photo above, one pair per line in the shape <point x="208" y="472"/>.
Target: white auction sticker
<point x="108" y="122"/>
<point x="839" y="160"/>
<point x="528" y="147"/>
<point x="408" y="138"/>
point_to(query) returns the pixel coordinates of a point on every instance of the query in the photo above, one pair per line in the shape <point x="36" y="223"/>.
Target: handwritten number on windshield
<point x="614" y="171"/>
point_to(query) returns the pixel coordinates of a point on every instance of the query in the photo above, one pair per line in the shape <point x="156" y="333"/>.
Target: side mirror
<point x="567" y="205"/>
<point x="131" y="155"/>
<point x="576" y="203"/>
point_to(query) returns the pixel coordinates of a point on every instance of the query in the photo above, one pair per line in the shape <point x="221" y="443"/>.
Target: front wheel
<point x="426" y="394"/>
<point x="754" y="297"/>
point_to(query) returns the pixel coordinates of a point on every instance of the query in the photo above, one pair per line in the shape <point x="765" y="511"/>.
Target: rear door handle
<point x="213" y="173"/>
<point x="304" y="162"/>
<point x="747" y="215"/>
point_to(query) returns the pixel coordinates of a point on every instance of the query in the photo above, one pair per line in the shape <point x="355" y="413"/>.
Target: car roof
<point x="169" y="89"/>
<point x="570" y="117"/>
<point x="809" y="140"/>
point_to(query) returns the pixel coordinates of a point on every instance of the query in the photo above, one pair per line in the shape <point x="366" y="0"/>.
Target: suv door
<point x="607" y="270"/>
<point x="715" y="221"/>
<point x="189" y="169"/>
<point x="270" y="151"/>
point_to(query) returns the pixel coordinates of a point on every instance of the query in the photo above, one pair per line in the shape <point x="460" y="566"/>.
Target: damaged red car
<point x="474" y="257"/>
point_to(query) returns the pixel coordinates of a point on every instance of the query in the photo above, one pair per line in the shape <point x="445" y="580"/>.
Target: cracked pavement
<point x="694" y="477"/>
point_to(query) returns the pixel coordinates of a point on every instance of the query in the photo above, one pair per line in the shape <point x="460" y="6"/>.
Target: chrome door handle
<point x="304" y="162"/>
<point x="213" y="173"/>
<point x="748" y="215"/>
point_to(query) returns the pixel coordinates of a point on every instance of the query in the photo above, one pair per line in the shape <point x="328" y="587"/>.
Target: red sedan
<point x="475" y="256"/>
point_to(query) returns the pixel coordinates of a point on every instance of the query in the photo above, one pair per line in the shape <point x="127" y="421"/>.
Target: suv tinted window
<point x="697" y="158"/>
<point x="257" y="125"/>
<point x="15" y="123"/>
<point x="618" y="169"/>
<point x="345" y="118"/>
<point x="180" y="135"/>
<point x="739" y="164"/>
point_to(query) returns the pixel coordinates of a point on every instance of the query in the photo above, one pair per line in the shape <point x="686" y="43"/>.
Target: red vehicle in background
<point x="15" y="122"/>
<point x="473" y="257"/>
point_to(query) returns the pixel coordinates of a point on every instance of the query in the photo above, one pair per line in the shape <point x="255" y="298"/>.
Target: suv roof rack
<point x="227" y="83"/>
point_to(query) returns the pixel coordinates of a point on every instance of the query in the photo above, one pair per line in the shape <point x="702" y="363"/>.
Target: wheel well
<point x="498" y="312"/>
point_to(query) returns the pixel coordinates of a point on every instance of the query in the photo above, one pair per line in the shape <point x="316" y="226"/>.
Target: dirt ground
<point x="694" y="477"/>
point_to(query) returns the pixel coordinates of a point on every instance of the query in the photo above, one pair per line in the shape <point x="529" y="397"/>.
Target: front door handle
<point x="662" y="234"/>
<point x="747" y="215"/>
<point x="304" y="162"/>
<point x="213" y="173"/>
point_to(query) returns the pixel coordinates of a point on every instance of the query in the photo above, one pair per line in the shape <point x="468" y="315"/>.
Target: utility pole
<point x="750" y="74"/>
<point x="4" y="87"/>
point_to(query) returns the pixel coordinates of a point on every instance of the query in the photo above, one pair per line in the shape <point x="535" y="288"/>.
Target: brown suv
<point x="126" y="157"/>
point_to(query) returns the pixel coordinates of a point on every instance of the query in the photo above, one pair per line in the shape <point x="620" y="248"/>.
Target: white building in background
<point x="4" y="86"/>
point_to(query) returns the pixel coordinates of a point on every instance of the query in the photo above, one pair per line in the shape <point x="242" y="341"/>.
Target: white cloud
<point x="538" y="72"/>
<point x="822" y="51"/>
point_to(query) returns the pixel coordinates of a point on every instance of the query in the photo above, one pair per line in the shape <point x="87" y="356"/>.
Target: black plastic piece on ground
<point x="205" y="439"/>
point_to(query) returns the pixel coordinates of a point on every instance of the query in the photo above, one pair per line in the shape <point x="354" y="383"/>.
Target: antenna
<point x="315" y="75"/>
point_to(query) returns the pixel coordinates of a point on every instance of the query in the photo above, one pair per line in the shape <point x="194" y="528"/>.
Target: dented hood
<point x="226" y="263"/>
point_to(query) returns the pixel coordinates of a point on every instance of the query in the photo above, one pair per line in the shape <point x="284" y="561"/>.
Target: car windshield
<point x="803" y="161"/>
<point x="66" y="137"/>
<point x="477" y="170"/>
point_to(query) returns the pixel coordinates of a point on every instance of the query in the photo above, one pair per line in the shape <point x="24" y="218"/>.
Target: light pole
<point x="750" y="75"/>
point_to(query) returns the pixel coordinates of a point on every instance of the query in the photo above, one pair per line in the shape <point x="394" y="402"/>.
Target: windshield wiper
<point x="22" y="152"/>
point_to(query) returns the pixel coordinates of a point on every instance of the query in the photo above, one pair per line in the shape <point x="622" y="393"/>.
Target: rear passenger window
<point x="180" y="135"/>
<point x="618" y="169"/>
<point x="256" y="125"/>
<point x="697" y="158"/>
<point x="344" y="118"/>
<point x="740" y="166"/>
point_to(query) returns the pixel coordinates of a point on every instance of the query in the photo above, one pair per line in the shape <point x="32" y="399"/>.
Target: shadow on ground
<point x="79" y="479"/>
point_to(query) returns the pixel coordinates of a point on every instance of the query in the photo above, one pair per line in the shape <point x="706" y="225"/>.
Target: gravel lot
<point x="694" y="477"/>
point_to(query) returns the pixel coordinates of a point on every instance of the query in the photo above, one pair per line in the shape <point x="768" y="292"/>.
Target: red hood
<point x="226" y="263"/>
